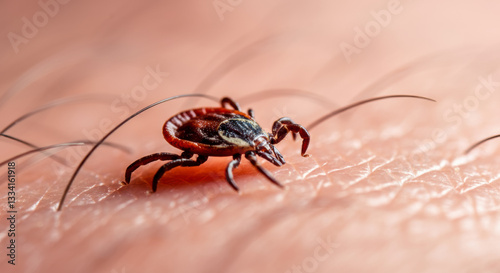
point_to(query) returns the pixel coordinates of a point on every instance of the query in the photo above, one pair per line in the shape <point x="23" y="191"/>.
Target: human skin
<point x="386" y="186"/>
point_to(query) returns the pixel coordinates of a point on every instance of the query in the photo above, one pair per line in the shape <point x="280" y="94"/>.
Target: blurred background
<point x="342" y="52"/>
<point x="283" y="58"/>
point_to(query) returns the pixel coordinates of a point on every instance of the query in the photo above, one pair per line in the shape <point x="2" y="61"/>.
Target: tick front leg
<point x="146" y="160"/>
<point x="229" y="171"/>
<point x="282" y="126"/>
<point x="231" y="102"/>
<point x="253" y="159"/>
<point x="184" y="162"/>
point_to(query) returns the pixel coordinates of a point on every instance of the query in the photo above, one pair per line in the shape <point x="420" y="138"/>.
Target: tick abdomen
<point x="196" y="131"/>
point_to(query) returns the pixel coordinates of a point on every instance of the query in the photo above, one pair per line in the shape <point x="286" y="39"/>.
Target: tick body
<point x="221" y="131"/>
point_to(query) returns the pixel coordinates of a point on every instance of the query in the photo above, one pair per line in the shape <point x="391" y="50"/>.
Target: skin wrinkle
<point x="270" y="229"/>
<point x="433" y="213"/>
<point x="323" y="173"/>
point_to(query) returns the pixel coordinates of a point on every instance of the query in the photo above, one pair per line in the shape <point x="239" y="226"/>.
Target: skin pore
<point x="386" y="186"/>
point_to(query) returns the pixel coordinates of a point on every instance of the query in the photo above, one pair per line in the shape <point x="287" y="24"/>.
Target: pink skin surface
<point x="386" y="187"/>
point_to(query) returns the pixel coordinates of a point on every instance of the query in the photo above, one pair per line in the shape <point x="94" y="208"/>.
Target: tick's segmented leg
<point x="229" y="170"/>
<point x="269" y="157"/>
<point x="184" y="162"/>
<point x="253" y="159"/>
<point x="251" y="113"/>
<point x="283" y="126"/>
<point x="146" y="160"/>
<point x="231" y="102"/>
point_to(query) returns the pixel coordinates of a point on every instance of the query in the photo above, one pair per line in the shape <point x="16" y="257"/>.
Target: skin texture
<point x="386" y="186"/>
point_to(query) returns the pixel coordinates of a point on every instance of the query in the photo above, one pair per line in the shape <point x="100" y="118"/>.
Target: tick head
<point x="246" y="133"/>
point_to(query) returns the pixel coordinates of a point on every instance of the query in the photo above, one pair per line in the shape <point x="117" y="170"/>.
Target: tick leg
<point x="146" y="160"/>
<point x="231" y="102"/>
<point x="184" y="162"/>
<point x="283" y="126"/>
<point x="253" y="159"/>
<point x="229" y="170"/>
<point x="251" y="113"/>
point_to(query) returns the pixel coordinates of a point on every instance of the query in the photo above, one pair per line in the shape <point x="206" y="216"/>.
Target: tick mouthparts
<point x="269" y="157"/>
<point x="270" y="153"/>
<point x="278" y="155"/>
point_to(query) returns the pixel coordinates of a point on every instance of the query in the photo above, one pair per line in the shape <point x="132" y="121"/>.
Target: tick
<point x="221" y="131"/>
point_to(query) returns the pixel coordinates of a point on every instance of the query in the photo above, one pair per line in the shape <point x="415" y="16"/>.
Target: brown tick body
<point x="221" y="131"/>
